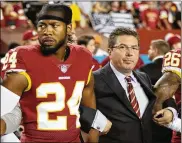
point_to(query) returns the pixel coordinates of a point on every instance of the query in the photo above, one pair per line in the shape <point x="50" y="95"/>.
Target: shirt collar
<point x="120" y="75"/>
<point x="158" y="57"/>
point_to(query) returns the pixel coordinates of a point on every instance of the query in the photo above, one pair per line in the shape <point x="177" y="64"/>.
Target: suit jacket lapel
<point x="110" y="78"/>
<point x="146" y="88"/>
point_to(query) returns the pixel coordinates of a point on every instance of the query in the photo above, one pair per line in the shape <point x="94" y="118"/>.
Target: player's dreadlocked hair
<point x="119" y="32"/>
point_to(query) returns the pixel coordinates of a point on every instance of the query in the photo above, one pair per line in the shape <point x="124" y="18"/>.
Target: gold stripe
<point x="28" y="79"/>
<point x="89" y="75"/>
<point x="174" y="71"/>
<point x="178" y="73"/>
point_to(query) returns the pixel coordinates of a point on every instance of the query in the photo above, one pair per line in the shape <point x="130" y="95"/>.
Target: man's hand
<point x="93" y="136"/>
<point x="107" y="128"/>
<point x="166" y="116"/>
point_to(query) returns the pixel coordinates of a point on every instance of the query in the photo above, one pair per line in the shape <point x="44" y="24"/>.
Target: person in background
<point x="99" y="51"/>
<point x="174" y="41"/>
<point x="158" y="48"/>
<point x="101" y="7"/>
<point x="150" y="16"/>
<point x="115" y="6"/>
<point x="14" y="14"/>
<point x="89" y="42"/>
<point x="30" y="37"/>
<point x="164" y="16"/>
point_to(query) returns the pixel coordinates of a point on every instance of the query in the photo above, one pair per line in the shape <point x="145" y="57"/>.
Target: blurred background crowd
<point x="152" y="19"/>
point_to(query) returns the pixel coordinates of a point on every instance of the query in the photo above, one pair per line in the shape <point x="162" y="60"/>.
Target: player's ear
<point x="69" y="29"/>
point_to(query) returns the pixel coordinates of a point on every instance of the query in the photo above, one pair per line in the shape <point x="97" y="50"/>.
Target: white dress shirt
<point x="139" y="92"/>
<point x="175" y="124"/>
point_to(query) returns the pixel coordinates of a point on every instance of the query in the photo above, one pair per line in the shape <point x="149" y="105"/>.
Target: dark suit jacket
<point x="153" y="70"/>
<point x="160" y="134"/>
<point x="114" y="104"/>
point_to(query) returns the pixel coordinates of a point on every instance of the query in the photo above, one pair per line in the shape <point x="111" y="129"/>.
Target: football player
<point x="167" y="86"/>
<point x="52" y="80"/>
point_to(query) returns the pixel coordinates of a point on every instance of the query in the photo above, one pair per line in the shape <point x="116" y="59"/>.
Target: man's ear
<point x="69" y="29"/>
<point x="109" y="50"/>
<point x="156" y="51"/>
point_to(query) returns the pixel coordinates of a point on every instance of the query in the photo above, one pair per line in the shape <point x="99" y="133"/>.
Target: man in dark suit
<point x="117" y="87"/>
<point x="124" y="96"/>
<point x="158" y="48"/>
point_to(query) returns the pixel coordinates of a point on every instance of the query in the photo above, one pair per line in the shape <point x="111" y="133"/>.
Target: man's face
<point x="91" y="46"/>
<point x="125" y="53"/>
<point x="152" y="52"/>
<point x="115" y="6"/>
<point x="52" y="35"/>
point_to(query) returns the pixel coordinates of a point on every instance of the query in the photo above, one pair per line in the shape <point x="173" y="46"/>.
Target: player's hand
<point x="93" y="136"/>
<point x="163" y="117"/>
<point x="107" y="128"/>
<point x="157" y="107"/>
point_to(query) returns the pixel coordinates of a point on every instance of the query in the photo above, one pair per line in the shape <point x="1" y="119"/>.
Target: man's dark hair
<point x="84" y="40"/>
<point x="56" y="12"/>
<point x="120" y="32"/>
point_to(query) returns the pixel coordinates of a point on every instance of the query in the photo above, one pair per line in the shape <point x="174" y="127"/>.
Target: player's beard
<point x="48" y="50"/>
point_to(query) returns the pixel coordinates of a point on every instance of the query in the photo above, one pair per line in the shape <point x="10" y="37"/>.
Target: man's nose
<point x="129" y="51"/>
<point x="48" y="30"/>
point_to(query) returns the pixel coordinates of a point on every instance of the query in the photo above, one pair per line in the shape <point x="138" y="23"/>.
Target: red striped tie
<point x="132" y="97"/>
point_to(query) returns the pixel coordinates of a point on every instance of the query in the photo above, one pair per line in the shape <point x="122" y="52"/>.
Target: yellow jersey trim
<point x="28" y="79"/>
<point x="176" y="72"/>
<point x="89" y="75"/>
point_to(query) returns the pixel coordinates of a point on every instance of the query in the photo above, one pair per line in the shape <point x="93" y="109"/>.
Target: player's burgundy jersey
<point x="51" y="101"/>
<point x="172" y="63"/>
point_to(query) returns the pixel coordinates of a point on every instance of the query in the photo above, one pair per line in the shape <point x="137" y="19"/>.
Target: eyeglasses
<point x="124" y="47"/>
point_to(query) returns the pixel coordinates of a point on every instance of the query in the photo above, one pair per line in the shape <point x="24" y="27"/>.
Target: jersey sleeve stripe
<point x="89" y="75"/>
<point x="28" y="79"/>
<point x="172" y="69"/>
<point x="176" y="72"/>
